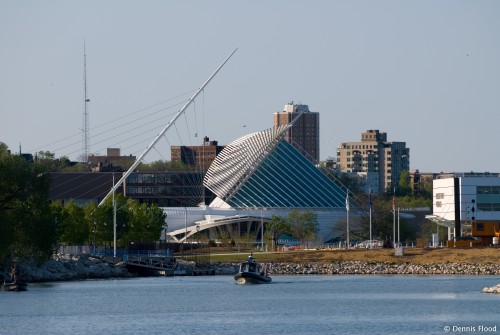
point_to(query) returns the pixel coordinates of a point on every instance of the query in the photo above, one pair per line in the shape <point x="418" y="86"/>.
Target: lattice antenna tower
<point x="85" y="125"/>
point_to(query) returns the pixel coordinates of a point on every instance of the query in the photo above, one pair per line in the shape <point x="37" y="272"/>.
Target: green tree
<point x="161" y="165"/>
<point x="75" y="228"/>
<point x="303" y="225"/>
<point x="146" y="222"/>
<point x="28" y="229"/>
<point x="404" y="186"/>
<point x="276" y="226"/>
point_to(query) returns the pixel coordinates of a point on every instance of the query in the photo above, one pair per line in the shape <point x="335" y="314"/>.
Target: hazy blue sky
<point x="425" y="72"/>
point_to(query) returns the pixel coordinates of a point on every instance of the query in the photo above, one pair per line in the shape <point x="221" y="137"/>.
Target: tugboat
<point x="252" y="273"/>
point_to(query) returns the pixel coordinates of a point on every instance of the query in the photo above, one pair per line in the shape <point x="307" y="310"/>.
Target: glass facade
<point x="488" y="198"/>
<point x="262" y="170"/>
<point x="169" y="189"/>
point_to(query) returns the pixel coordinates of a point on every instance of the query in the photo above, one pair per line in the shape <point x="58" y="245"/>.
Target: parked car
<point x="289" y="247"/>
<point x="366" y="244"/>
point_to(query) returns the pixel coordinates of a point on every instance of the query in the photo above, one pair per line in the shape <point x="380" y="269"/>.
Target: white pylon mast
<point x="179" y="113"/>
<point x="85" y="125"/>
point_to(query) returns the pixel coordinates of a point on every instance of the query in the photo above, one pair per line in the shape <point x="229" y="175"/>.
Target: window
<point x="438" y="204"/>
<point x="483" y="189"/>
<point x="480" y="227"/>
<point x="439" y="195"/>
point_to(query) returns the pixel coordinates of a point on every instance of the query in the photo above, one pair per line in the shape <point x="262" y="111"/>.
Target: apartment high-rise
<point x="304" y="134"/>
<point x="374" y="154"/>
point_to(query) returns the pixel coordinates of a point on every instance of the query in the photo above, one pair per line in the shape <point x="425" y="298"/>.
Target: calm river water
<point x="290" y="305"/>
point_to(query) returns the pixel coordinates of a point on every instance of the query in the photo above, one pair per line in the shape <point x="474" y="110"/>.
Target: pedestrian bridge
<point x="181" y="235"/>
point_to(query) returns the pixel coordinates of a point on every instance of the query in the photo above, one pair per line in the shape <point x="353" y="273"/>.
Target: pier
<point x="164" y="265"/>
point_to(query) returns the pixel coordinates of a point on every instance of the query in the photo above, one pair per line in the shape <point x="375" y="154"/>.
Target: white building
<point x="459" y="200"/>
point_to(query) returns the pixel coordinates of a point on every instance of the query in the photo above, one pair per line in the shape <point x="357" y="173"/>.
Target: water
<point x="290" y="305"/>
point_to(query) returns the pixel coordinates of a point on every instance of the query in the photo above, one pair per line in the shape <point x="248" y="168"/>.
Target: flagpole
<point x="370" y="219"/>
<point x="398" y="228"/>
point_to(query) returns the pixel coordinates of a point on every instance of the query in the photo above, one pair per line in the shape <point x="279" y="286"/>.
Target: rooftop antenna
<point x="85" y="126"/>
<point x="179" y="113"/>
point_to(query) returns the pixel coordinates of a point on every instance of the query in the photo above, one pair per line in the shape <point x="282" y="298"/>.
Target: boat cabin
<point x="250" y="266"/>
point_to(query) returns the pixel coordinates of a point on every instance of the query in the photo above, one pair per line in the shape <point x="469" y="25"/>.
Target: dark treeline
<point x="32" y="227"/>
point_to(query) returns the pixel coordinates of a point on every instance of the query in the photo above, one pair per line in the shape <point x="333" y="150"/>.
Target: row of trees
<point x="32" y="227"/>
<point x="49" y="163"/>
<point x="90" y="224"/>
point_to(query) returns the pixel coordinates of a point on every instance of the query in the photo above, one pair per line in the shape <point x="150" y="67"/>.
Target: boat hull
<point x="251" y="278"/>
<point x="15" y="287"/>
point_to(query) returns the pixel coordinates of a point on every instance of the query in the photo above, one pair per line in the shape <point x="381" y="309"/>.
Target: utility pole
<point x="85" y="125"/>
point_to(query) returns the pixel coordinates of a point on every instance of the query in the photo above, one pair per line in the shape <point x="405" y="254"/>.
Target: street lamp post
<point x="114" y="222"/>
<point x="261" y="231"/>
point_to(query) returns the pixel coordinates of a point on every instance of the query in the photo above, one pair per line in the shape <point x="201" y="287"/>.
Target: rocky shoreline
<point x="73" y="267"/>
<point x="367" y="268"/>
<point x="81" y="267"/>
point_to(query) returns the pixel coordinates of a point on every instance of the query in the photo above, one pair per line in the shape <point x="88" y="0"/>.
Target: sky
<point x="425" y="72"/>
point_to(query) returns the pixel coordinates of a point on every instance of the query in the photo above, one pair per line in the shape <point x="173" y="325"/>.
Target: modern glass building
<point x="262" y="170"/>
<point x="257" y="176"/>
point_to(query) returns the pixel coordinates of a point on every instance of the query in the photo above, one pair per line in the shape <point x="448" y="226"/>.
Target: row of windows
<point x="162" y="190"/>
<point x="348" y="153"/>
<point x="161" y="178"/>
<point x="489" y="207"/>
<point x="362" y="146"/>
<point x="374" y="169"/>
<point x="487" y="189"/>
<point x="359" y="159"/>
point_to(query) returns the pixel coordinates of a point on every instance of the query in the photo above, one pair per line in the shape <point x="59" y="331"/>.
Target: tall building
<point x="375" y="154"/>
<point x="304" y="134"/>
<point x="200" y="156"/>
